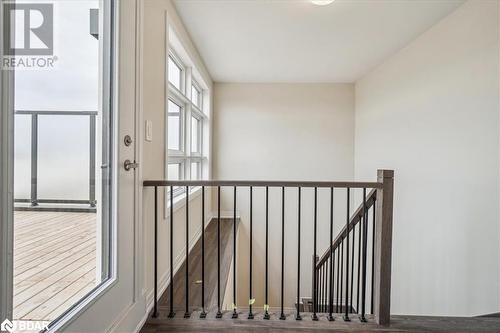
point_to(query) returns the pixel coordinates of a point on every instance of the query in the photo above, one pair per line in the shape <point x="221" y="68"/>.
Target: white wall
<point x="153" y="98"/>
<point x="431" y="113"/>
<point x="282" y="132"/>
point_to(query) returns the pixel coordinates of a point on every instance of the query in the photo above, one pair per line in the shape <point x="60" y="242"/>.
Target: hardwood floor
<point x="398" y="324"/>
<point x="226" y="324"/>
<point x="54" y="262"/>
<point x="195" y="271"/>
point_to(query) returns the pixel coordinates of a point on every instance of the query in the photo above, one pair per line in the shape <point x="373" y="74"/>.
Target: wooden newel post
<point x="383" y="247"/>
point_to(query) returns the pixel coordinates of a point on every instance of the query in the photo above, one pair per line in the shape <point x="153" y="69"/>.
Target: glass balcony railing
<point x="55" y="159"/>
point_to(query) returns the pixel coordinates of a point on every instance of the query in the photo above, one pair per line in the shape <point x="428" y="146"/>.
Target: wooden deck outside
<point x="54" y="262"/>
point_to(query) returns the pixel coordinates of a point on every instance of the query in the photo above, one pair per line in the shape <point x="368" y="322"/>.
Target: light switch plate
<point x="149" y="130"/>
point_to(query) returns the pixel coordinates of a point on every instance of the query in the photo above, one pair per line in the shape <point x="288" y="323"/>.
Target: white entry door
<point x="117" y="305"/>
<point x="114" y="302"/>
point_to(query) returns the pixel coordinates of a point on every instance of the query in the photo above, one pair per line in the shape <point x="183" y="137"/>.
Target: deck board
<point x="54" y="262"/>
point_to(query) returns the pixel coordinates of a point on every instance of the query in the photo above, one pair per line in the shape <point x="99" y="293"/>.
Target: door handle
<point x="127" y="165"/>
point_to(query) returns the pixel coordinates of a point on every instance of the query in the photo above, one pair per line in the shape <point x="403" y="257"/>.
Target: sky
<point x="72" y="85"/>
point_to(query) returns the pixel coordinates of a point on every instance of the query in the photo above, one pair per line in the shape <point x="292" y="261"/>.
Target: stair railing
<point x="381" y="194"/>
<point x="359" y="258"/>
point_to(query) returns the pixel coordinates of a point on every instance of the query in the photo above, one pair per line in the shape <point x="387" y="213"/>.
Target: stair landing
<point x="398" y="324"/>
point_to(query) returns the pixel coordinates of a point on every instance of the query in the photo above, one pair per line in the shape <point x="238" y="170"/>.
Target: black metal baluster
<point x="155" y="312"/>
<point x="346" y="315"/>
<point x="266" y="305"/>
<point x="298" y="317"/>
<point x="332" y="291"/>
<point x="235" y="312"/>
<point x="171" y="314"/>
<point x="338" y="279"/>
<point x="359" y="264"/>
<point x="282" y="316"/>
<point x="325" y="287"/>
<point x="323" y="307"/>
<point x="34" y="159"/>
<point x="363" y="286"/>
<point x="203" y="314"/>
<point x="320" y="292"/>
<point x="332" y="260"/>
<point x="373" y="256"/>
<point x="341" y="271"/>
<point x="352" y="266"/>
<point x="318" y="271"/>
<point x="315" y="282"/>
<point x="187" y="314"/>
<point x="250" y="314"/>
<point x="219" y="313"/>
<point x="323" y="295"/>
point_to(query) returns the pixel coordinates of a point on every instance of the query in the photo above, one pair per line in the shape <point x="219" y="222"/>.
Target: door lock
<point x="127" y="140"/>
<point x="127" y="165"/>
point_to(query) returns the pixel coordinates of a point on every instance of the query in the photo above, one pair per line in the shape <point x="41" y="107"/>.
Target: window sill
<point x="180" y="200"/>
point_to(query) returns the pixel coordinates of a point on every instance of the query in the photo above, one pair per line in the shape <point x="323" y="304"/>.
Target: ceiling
<point x="296" y="41"/>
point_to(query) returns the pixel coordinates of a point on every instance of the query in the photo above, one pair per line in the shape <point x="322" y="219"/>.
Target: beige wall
<point x="435" y="110"/>
<point x="431" y="113"/>
<point x="282" y="132"/>
<point x="153" y="104"/>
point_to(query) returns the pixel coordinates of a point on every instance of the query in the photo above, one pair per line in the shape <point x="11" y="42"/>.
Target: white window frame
<point x="198" y="161"/>
<point x="198" y="88"/>
<point x="172" y="55"/>
<point x="199" y="117"/>
<point x="189" y="110"/>
<point x="178" y="190"/>
<point x="182" y="146"/>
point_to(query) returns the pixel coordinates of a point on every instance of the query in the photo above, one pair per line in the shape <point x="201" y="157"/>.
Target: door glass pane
<point x="63" y="157"/>
<point x="22" y="157"/>
<point x="195" y="132"/>
<point x="174" y="126"/>
<point x="174" y="73"/>
<point x="62" y="131"/>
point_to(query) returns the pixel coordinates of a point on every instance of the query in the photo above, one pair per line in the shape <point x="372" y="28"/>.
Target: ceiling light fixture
<point x="322" y="2"/>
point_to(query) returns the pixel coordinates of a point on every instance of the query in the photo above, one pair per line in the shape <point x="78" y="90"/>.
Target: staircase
<point x="350" y="280"/>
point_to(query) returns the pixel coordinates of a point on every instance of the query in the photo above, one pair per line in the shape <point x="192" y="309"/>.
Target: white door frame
<point x="6" y="184"/>
<point x="117" y="305"/>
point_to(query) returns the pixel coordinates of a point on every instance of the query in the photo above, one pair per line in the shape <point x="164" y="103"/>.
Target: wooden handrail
<point x="355" y="218"/>
<point x="262" y="183"/>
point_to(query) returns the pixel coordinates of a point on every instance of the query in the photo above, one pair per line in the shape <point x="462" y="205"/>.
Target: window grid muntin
<point x="182" y="97"/>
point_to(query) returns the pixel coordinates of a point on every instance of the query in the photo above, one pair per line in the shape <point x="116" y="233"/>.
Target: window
<point x="187" y="121"/>
<point x="175" y="73"/>
<point x="195" y="170"/>
<point x="196" y="95"/>
<point x="174" y="126"/>
<point x="174" y="171"/>
<point x="195" y="135"/>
